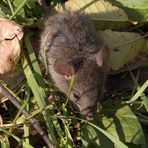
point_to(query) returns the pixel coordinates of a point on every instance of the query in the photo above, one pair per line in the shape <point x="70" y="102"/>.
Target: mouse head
<point x="88" y="80"/>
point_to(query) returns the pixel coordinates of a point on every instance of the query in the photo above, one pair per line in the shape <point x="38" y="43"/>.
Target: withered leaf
<point x="10" y="38"/>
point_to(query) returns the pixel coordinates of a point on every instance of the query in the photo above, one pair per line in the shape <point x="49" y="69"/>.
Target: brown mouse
<point x="72" y="48"/>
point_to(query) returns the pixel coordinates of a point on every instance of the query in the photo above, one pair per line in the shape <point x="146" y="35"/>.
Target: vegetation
<point x="122" y="119"/>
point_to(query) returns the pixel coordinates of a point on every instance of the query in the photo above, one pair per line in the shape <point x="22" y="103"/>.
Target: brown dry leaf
<point x="10" y="37"/>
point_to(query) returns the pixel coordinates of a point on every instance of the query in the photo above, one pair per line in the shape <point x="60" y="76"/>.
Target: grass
<point x="63" y="125"/>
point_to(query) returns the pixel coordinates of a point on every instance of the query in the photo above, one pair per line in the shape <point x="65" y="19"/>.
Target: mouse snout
<point x="86" y="103"/>
<point x="88" y="112"/>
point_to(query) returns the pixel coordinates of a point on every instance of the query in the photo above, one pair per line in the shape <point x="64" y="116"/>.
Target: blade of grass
<point x="56" y="124"/>
<point x="69" y="90"/>
<point x="112" y="138"/>
<point x="26" y="127"/>
<point x="7" y="92"/>
<point x="26" y="145"/>
<point x="142" y="96"/>
<point x="18" y="9"/>
<point x="33" y="59"/>
<point x="139" y="93"/>
<point x="69" y="141"/>
<point x="40" y="80"/>
<point x="116" y="141"/>
<point x="5" y="143"/>
<point x="10" y="6"/>
<point x="39" y="96"/>
<point x="145" y="101"/>
<point x="26" y="133"/>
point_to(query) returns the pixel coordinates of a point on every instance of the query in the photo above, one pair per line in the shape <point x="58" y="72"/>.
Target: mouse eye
<point x="76" y="96"/>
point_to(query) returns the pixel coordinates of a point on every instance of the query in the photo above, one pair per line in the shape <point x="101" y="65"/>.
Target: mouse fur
<point x="72" y="48"/>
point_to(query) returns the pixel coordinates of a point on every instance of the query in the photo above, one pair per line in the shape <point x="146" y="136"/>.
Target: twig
<point x="32" y="120"/>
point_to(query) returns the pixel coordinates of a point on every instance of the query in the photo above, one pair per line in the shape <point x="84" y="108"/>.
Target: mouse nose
<point x="88" y="112"/>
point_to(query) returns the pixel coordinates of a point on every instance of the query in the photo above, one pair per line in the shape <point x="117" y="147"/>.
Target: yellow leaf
<point x="103" y="13"/>
<point x="124" y="46"/>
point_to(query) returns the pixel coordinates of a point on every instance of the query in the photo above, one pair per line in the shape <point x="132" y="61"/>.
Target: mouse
<point x="73" y="50"/>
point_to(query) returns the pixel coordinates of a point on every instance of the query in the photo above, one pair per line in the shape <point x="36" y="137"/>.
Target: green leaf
<point x="136" y="9"/>
<point x="94" y="136"/>
<point x="123" y="124"/>
<point x="143" y="4"/>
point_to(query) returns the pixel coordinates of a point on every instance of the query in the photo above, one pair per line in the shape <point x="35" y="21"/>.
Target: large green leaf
<point x="124" y="46"/>
<point x="118" y="121"/>
<point x="104" y="14"/>
<point x="92" y="138"/>
<point x="124" y="125"/>
<point x="136" y="9"/>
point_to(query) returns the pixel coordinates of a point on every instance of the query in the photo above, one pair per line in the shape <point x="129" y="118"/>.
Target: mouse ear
<point x="102" y="56"/>
<point x="99" y="58"/>
<point x="62" y="67"/>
